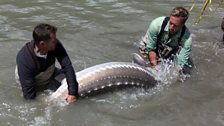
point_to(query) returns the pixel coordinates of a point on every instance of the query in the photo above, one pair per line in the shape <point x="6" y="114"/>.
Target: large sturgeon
<point x="107" y="75"/>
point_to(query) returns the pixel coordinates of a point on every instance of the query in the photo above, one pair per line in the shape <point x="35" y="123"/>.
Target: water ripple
<point x="15" y="9"/>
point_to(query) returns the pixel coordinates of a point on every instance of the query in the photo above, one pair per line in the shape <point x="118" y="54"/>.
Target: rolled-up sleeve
<point x="152" y="33"/>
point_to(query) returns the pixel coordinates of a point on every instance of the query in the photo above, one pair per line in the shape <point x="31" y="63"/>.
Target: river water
<point x="99" y="31"/>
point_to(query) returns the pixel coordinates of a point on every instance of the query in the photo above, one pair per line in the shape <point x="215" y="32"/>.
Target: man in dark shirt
<point x="36" y="64"/>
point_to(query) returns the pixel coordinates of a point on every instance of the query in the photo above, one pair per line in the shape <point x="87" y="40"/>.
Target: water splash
<point x="167" y="73"/>
<point x="60" y="102"/>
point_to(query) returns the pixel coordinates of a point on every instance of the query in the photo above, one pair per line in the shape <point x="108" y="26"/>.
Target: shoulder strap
<point x="182" y="34"/>
<point x="165" y="21"/>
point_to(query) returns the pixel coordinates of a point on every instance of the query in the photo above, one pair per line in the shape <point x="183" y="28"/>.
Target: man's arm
<point x="152" y="34"/>
<point x="26" y="77"/>
<point x="67" y="69"/>
<point x="151" y="44"/>
<point x="184" y="53"/>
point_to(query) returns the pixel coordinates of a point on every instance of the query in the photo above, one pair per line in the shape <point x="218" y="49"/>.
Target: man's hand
<point x="180" y="70"/>
<point x="152" y="59"/>
<point x="70" y="98"/>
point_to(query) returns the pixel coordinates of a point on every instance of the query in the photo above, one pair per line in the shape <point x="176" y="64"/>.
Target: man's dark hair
<point x="42" y="32"/>
<point x="180" y="12"/>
